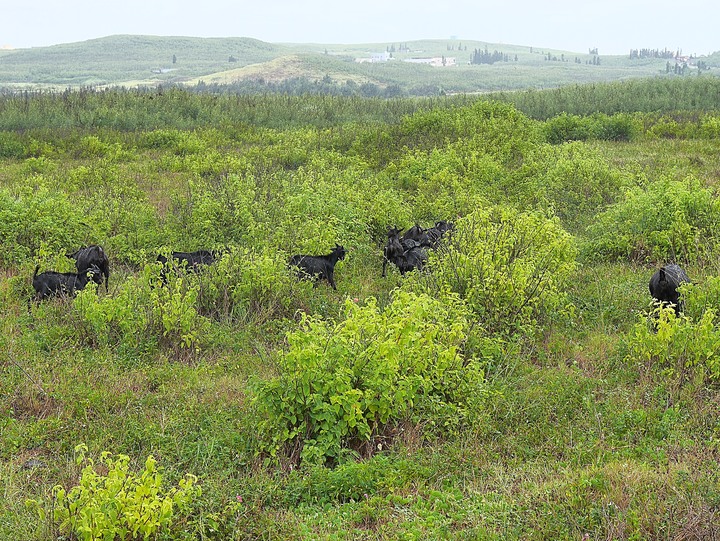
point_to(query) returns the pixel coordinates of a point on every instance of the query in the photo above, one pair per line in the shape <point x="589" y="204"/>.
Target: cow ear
<point x="662" y="274"/>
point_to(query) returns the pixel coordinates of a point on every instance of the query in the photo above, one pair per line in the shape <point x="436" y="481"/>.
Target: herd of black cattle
<point x="407" y="252"/>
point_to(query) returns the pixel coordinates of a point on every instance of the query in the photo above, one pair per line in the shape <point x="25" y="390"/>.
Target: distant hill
<point x="411" y="68"/>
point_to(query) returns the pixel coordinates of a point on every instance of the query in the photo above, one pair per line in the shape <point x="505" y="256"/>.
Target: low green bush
<point x="664" y="221"/>
<point x="676" y="348"/>
<point x="572" y="181"/>
<point x="38" y="215"/>
<point x="251" y="285"/>
<point x="343" y="386"/>
<point x="143" y="314"/>
<point x="510" y="268"/>
<point x="118" y="505"/>
<point x="567" y="127"/>
<point x="12" y="146"/>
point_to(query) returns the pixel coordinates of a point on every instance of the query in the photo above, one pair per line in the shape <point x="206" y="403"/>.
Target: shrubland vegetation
<point x="246" y="65"/>
<point x="520" y="387"/>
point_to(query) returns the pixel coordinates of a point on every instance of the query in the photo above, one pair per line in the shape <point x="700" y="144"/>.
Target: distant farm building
<point x="437" y="61"/>
<point x="376" y="57"/>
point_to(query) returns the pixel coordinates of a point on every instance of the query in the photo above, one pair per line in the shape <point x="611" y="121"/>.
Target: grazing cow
<point x="191" y="261"/>
<point x="51" y="283"/>
<point x="664" y="283"/>
<point x="93" y="255"/>
<point x="319" y="267"/>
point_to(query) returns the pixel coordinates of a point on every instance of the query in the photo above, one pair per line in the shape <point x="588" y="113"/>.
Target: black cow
<point x="191" y="261"/>
<point x="52" y="283"/>
<point x="89" y="256"/>
<point x="664" y="283"/>
<point x="319" y="267"/>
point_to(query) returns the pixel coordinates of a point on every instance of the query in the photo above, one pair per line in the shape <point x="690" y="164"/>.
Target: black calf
<point x="318" y="267"/>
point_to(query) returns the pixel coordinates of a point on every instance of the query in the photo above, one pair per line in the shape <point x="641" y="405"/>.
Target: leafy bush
<point x="37" y="215"/>
<point x="677" y="348"/>
<point x="92" y="146"/>
<point x="251" y="284"/>
<point x="179" y="142"/>
<point x="567" y="127"/>
<point x="11" y="146"/>
<point x="701" y="295"/>
<point x="221" y="209"/>
<point x="343" y="386"/>
<point x="570" y="180"/>
<point x="710" y="127"/>
<point x="510" y="267"/>
<point x="174" y="313"/>
<point x="118" y="505"/>
<point x="500" y="129"/>
<point x="667" y="220"/>
<point x="141" y="315"/>
<point x="447" y="182"/>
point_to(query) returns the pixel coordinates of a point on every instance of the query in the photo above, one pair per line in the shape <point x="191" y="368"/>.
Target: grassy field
<point x="517" y="389"/>
<point x="152" y="60"/>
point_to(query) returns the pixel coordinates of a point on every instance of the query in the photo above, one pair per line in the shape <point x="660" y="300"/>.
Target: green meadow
<point x="521" y="386"/>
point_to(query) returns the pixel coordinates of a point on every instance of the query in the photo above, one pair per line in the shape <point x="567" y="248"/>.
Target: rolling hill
<point x="411" y="68"/>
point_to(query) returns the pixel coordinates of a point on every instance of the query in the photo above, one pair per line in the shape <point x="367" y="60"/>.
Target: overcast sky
<point x="613" y="26"/>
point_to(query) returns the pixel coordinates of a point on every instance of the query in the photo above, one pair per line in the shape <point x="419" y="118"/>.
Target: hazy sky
<point x="613" y="26"/>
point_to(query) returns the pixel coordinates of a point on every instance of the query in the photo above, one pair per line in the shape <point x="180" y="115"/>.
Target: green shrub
<point x="221" y="209"/>
<point x="447" y="182"/>
<point x="501" y="130"/>
<point x="510" y="268"/>
<point x="342" y="386"/>
<point x="617" y="127"/>
<point x="142" y="313"/>
<point x="91" y="146"/>
<point x="710" y="127"/>
<point x="701" y="295"/>
<point x="676" y="348"/>
<point x="667" y="220"/>
<point x="253" y="285"/>
<point x="11" y="146"/>
<point x="570" y="180"/>
<point x="179" y="142"/>
<point x="566" y="127"/>
<point x="678" y="125"/>
<point x="38" y="215"/>
<point x="120" y="320"/>
<point x="118" y="505"/>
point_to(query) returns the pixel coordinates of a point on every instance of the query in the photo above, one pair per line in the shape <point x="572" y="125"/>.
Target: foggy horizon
<point x="612" y="26"/>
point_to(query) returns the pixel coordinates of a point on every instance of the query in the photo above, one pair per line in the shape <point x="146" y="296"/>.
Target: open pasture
<point x="517" y="387"/>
